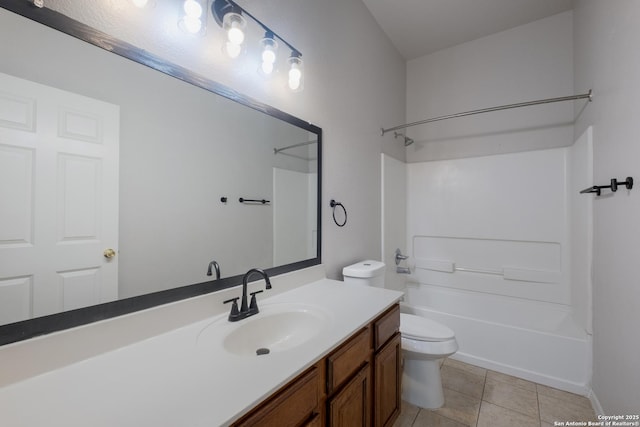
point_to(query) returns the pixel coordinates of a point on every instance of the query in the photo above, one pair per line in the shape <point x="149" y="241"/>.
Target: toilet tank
<point x="364" y="273"/>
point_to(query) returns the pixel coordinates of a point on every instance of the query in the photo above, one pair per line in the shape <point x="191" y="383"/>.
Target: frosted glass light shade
<point x="295" y="73"/>
<point x="234" y="24"/>
<point x="192" y="22"/>
<point x="269" y="49"/>
<point x="192" y="8"/>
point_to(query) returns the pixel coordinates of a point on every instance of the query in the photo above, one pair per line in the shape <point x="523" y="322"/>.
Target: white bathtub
<point x="529" y="339"/>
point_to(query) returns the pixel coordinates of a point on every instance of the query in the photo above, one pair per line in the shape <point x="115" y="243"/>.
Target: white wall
<point x="529" y="62"/>
<point x="354" y="84"/>
<point x="394" y="218"/>
<point x="606" y="35"/>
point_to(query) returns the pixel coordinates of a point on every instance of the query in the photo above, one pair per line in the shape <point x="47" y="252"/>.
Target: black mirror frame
<point x="31" y="328"/>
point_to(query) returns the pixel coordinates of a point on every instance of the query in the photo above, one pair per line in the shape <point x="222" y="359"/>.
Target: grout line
<point x="415" y="417"/>
<point x="539" y="409"/>
<point x="484" y="386"/>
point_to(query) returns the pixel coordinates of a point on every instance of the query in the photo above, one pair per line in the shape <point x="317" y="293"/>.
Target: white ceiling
<point x="420" y="27"/>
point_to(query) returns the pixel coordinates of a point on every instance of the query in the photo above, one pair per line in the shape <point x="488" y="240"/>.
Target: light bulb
<point x="191" y="24"/>
<point x="234" y="24"/>
<point x="235" y="35"/>
<point x="193" y="21"/>
<point x="295" y="72"/>
<point x="232" y="49"/>
<point x="139" y="3"/>
<point x="192" y="8"/>
<point x="294" y="84"/>
<point x="268" y="55"/>
<point x="267" y="67"/>
<point x="269" y="48"/>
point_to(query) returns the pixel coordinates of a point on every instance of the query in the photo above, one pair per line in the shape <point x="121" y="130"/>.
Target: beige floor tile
<point x="564" y="395"/>
<point x="462" y="381"/>
<point x="512" y="397"/>
<point x="553" y="409"/>
<point x="518" y="382"/>
<point x="460" y="407"/>
<point x="472" y="369"/>
<point x="497" y="416"/>
<point x="408" y="413"/>
<point x="428" y="418"/>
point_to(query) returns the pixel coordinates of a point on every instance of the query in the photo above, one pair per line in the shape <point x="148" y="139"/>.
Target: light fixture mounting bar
<point x="218" y="8"/>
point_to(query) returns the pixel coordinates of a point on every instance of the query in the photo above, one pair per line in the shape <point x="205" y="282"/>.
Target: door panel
<point x="59" y="192"/>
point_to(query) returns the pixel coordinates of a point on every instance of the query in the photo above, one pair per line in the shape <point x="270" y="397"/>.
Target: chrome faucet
<point x="215" y="264"/>
<point x="250" y="309"/>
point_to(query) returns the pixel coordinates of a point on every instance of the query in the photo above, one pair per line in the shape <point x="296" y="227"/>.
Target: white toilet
<point x="424" y="343"/>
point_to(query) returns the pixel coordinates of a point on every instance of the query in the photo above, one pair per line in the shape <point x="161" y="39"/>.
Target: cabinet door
<point x="387" y="383"/>
<point x="351" y="407"/>
<point x="290" y="407"/>
<point x="316" y="421"/>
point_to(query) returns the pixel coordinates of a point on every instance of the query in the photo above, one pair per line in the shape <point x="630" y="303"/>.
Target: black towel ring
<point x="333" y="204"/>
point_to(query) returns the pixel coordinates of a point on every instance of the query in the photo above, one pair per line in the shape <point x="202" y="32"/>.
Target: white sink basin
<point x="277" y="328"/>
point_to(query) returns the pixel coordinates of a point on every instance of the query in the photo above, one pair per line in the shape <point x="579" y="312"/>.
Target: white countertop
<point x="175" y="380"/>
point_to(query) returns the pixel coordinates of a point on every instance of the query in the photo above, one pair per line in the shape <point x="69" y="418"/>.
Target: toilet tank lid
<point x="364" y="269"/>
<point x="422" y="329"/>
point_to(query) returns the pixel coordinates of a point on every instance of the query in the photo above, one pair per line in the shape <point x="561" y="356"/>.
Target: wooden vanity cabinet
<point x="299" y="403"/>
<point x="372" y="359"/>
<point x="387" y="368"/>
<point x="356" y="385"/>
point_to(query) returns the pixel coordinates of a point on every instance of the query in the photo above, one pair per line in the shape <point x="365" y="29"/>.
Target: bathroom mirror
<point x="165" y="197"/>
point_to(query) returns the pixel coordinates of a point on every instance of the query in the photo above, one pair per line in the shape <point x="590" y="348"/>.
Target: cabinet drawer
<point x="295" y="404"/>
<point x="386" y="326"/>
<point x="345" y="361"/>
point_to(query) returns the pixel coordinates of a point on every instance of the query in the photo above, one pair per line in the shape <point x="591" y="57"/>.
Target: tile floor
<point x="479" y="397"/>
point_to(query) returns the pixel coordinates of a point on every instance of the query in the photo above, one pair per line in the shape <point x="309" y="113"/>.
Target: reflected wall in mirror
<point x="99" y="152"/>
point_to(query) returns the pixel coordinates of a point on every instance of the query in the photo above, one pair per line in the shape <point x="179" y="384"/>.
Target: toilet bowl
<point x="424" y="343"/>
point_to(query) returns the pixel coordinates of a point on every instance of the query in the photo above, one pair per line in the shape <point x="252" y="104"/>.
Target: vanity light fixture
<point x="233" y="19"/>
<point x="192" y="20"/>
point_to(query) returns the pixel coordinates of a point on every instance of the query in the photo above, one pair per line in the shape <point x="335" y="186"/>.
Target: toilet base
<point x="421" y="382"/>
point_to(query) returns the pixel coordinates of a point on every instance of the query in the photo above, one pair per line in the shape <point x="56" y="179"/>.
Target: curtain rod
<point x="277" y="150"/>
<point x="490" y="109"/>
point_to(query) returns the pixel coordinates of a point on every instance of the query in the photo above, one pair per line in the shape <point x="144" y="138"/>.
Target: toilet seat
<point x="422" y="329"/>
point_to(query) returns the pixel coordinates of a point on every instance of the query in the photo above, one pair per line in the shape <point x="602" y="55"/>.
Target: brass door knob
<point x="109" y="253"/>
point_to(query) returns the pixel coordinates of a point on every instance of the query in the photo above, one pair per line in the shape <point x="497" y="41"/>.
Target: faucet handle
<point x="234" y="307"/>
<point x="253" y="306"/>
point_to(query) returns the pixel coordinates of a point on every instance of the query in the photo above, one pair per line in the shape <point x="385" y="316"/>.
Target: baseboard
<point x="572" y="387"/>
<point x="595" y="403"/>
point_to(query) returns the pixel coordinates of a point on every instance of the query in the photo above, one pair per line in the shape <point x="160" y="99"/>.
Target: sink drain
<point x="261" y="351"/>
